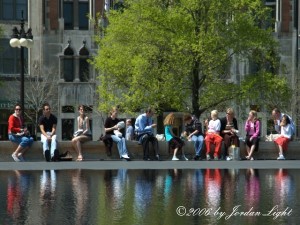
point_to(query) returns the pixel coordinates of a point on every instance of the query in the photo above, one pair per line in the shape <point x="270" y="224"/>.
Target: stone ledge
<point x="95" y="150"/>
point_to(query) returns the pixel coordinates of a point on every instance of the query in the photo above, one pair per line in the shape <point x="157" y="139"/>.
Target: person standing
<point x="193" y="132"/>
<point x="175" y="142"/>
<point x="18" y="134"/>
<point x="83" y="133"/>
<point x="48" y="123"/>
<point x="144" y="130"/>
<point x="252" y="128"/>
<point x="112" y="129"/>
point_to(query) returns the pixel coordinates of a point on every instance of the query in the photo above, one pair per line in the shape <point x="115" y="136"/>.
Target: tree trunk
<point x="195" y="90"/>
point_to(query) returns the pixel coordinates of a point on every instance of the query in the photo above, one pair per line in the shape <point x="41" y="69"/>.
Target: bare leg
<point x="183" y="155"/>
<point x="251" y="151"/>
<point x="174" y="155"/>
<point x="248" y="151"/>
<point x="22" y="151"/>
<point x="19" y="149"/>
<point x="280" y="150"/>
<point x="79" y="150"/>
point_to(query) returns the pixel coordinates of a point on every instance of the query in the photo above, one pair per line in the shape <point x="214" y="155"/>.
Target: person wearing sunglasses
<point x="18" y="134"/>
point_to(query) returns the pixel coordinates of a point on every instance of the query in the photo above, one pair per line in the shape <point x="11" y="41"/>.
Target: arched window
<point x="68" y="63"/>
<point x="84" y="72"/>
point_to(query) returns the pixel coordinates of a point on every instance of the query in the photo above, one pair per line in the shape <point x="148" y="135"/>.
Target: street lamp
<point x="21" y="39"/>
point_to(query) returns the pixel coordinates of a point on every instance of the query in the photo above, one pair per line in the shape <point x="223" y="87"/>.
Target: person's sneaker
<point x="175" y="158"/>
<point x="125" y="156"/>
<point x="281" y="157"/>
<point x="251" y="158"/>
<point x="20" y="157"/>
<point x="228" y="158"/>
<point x="47" y="155"/>
<point x="207" y="157"/>
<point x="197" y="157"/>
<point x="184" y="158"/>
<point x="15" y="157"/>
<point x="55" y="157"/>
<point x="157" y="157"/>
<point x="216" y="158"/>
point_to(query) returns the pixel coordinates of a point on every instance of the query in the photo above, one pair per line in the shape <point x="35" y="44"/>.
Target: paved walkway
<point x="117" y="164"/>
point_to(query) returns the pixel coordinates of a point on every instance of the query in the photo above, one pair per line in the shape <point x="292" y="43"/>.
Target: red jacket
<point x="14" y="124"/>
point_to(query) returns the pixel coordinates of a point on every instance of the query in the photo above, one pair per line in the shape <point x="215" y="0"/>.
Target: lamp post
<point x="21" y="39"/>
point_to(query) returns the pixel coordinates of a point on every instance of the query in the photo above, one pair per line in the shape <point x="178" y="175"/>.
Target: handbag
<point x="234" y="153"/>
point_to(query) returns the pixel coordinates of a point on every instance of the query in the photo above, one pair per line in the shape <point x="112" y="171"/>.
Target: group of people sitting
<point x="19" y="134"/>
<point x="226" y="130"/>
<point x="217" y="131"/>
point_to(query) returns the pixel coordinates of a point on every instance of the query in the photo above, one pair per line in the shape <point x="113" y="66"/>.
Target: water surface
<point x="204" y="196"/>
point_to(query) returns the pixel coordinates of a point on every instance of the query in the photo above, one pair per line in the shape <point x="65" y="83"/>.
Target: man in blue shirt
<point x="144" y="130"/>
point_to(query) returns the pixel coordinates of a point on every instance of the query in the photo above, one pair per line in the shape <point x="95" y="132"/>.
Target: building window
<point x="67" y="129"/>
<point x="68" y="15"/>
<point x="83" y="11"/>
<point x="12" y="9"/>
<point x="272" y="15"/>
<point x="68" y="69"/>
<point x="84" y="72"/>
<point x="76" y="14"/>
<point x="67" y="109"/>
<point x="68" y="61"/>
<point x="10" y="58"/>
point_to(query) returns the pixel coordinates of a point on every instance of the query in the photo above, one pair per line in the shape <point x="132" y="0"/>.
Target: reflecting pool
<point x="204" y="196"/>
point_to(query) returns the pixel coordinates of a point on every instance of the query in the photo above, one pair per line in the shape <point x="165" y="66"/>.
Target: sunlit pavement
<point x="118" y="164"/>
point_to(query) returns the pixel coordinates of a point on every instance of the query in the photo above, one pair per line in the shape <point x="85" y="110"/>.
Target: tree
<point x="38" y="91"/>
<point x="176" y="54"/>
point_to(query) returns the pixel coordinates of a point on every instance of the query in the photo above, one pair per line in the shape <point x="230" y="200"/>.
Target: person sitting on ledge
<point x="19" y="135"/>
<point x="285" y="136"/>
<point x="48" y="124"/>
<point x="193" y="132"/>
<point x="229" y="131"/>
<point x="252" y="128"/>
<point x="83" y="133"/>
<point x="112" y="129"/>
<point x="175" y="142"/>
<point x="144" y="131"/>
<point x="213" y="135"/>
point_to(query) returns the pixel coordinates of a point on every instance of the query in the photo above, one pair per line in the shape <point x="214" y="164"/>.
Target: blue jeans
<point x="121" y="144"/>
<point x="47" y="143"/>
<point x="23" y="141"/>
<point x="198" y="143"/>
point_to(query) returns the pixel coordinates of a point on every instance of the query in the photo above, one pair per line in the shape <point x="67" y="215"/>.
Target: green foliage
<point x="267" y="90"/>
<point x="177" y="54"/>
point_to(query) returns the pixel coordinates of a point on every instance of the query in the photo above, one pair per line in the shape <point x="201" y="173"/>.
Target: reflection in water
<point x="17" y="189"/>
<point x="146" y="196"/>
<point x="80" y="190"/>
<point x="284" y="188"/>
<point x="252" y="189"/>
